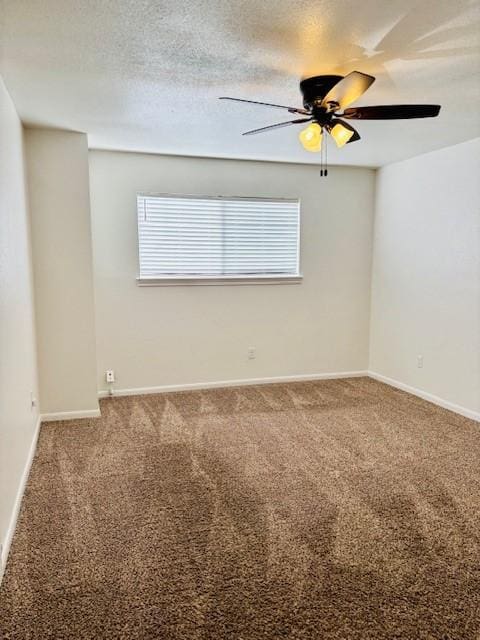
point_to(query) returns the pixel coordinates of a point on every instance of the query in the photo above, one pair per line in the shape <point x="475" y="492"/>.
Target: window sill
<point x="218" y="280"/>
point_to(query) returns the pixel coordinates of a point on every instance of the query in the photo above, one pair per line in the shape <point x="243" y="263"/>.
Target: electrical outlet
<point x="33" y="400"/>
<point x="252" y="353"/>
<point x="420" y="362"/>
<point x="110" y="375"/>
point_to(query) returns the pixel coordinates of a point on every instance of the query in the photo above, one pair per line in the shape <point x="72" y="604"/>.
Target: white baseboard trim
<point x="445" y="404"/>
<point x="231" y="383"/>
<point x="18" y="499"/>
<point x="70" y="415"/>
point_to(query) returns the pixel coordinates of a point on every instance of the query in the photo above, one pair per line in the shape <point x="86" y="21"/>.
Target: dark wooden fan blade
<point x="392" y="112"/>
<point x="276" y="126"/>
<point x="349" y="89"/>
<point x="354" y="138"/>
<point x="267" y="104"/>
<point x="356" y="135"/>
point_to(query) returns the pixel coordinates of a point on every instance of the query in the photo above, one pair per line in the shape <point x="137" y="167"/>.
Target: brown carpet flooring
<point x="336" y="509"/>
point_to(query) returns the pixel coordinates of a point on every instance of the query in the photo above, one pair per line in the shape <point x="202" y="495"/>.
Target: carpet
<point x="338" y="509"/>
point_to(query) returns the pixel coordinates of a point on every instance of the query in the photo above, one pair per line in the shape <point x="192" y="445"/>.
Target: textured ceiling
<point x="146" y="74"/>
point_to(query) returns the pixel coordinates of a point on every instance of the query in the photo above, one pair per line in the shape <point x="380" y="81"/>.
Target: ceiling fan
<point x="325" y="96"/>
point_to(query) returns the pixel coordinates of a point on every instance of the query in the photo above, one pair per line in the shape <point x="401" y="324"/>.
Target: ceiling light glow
<point x="341" y="134"/>
<point x="311" y="137"/>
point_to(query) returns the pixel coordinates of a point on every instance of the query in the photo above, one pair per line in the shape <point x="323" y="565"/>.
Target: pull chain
<point x="325" y="173"/>
<point x="324" y="158"/>
<point x="321" y="161"/>
<point x="322" y="151"/>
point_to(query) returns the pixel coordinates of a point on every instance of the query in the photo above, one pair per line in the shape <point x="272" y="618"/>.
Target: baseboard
<point x="70" y="415"/>
<point x="18" y="500"/>
<point x="231" y="383"/>
<point x="445" y="404"/>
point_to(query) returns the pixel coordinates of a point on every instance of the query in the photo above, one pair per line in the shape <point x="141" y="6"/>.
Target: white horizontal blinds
<point x="192" y="236"/>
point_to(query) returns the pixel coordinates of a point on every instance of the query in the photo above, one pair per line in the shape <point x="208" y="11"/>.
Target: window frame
<point x="245" y="279"/>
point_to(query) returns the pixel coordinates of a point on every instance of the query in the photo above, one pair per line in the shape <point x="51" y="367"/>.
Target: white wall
<point x="194" y="334"/>
<point x="426" y="274"/>
<point x="62" y="259"/>
<point x="18" y="374"/>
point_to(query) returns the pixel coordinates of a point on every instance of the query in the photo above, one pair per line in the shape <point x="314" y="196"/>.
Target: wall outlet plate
<point x="110" y="375"/>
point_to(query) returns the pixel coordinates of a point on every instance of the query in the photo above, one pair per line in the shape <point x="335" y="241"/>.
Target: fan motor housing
<point x="316" y="88"/>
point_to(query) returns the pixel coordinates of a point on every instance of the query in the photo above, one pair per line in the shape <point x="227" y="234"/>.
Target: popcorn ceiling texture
<point x="336" y="510"/>
<point x="145" y="75"/>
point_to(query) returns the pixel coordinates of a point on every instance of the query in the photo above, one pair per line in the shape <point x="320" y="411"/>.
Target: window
<point x="199" y="240"/>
